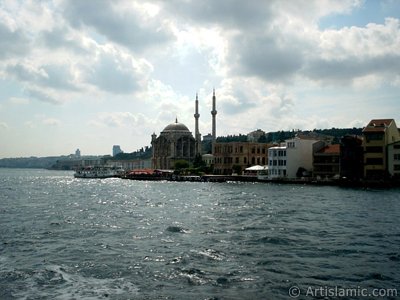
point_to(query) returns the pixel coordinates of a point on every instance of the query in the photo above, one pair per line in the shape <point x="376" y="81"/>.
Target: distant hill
<point x="30" y="162"/>
<point x="280" y="136"/>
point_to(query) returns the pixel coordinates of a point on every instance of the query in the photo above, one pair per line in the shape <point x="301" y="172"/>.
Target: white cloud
<point x="51" y="122"/>
<point x="120" y="22"/>
<point x="3" y="125"/>
<point x="129" y="68"/>
<point x="18" y="101"/>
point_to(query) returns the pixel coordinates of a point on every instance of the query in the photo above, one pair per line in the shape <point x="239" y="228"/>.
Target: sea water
<point x="67" y="238"/>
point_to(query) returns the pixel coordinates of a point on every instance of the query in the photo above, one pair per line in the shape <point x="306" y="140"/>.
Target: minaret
<point x="214" y="113"/>
<point x="196" y="127"/>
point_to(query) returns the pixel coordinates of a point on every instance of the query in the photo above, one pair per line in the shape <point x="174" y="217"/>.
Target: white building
<point x="291" y="157"/>
<point x="299" y="153"/>
<point x="208" y="159"/>
<point x="277" y="162"/>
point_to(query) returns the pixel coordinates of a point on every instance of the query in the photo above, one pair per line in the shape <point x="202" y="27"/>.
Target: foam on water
<point x="56" y="283"/>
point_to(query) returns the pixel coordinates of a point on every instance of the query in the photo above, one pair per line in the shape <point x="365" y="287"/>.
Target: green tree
<point x="198" y="162"/>
<point x="181" y="164"/>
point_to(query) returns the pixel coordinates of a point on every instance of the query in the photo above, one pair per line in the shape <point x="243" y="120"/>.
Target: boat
<point x="98" y="172"/>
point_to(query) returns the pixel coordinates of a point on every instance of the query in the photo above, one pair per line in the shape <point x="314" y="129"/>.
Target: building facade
<point x="351" y="158"/>
<point x="300" y="153"/>
<point x="277" y="162"/>
<point x="394" y="160"/>
<point x="326" y="163"/>
<point x="377" y="135"/>
<point x="231" y="156"/>
<point x="175" y="142"/>
<point x="116" y="150"/>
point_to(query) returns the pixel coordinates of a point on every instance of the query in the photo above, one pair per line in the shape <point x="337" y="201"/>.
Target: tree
<point x="198" y="162"/>
<point x="181" y="164"/>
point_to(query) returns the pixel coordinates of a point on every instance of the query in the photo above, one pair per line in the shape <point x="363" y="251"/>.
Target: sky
<point x="93" y="74"/>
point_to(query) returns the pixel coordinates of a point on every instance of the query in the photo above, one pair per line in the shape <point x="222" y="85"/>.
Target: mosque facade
<point x="176" y="142"/>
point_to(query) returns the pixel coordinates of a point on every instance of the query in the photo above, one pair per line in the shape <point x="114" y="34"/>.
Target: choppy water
<point x="66" y="238"/>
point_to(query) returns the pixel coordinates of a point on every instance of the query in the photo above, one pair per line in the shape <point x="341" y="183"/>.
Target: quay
<point x="169" y="176"/>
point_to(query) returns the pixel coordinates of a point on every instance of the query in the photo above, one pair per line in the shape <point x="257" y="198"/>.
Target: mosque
<point x="176" y="142"/>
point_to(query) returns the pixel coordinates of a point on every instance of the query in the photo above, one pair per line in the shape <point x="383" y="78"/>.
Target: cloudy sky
<point x="91" y="74"/>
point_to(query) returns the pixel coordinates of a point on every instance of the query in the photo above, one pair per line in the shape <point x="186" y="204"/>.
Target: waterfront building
<point x="116" y="150"/>
<point x="234" y="157"/>
<point x="175" y="142"/>
<point x="394" y="159"/>
<point x="326" y="164"/>
<point x="351" y="158"/>
<point x="299" y="153"/>
<point x="208" y="159"/>
<point x="277" y="162"/>
<point x="377" y="135"/>
<point x="130" y="164"/>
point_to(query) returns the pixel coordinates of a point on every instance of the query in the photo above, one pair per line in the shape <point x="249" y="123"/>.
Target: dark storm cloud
<point x="261" y="55"/>
<point x="125" y="28"/>
<point x="12" y="43"/>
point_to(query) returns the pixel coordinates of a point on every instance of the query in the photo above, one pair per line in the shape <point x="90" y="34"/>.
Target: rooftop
<point x="330" y="149"/>
<point x="176" y="127"/>
<point x="378" y="125"/>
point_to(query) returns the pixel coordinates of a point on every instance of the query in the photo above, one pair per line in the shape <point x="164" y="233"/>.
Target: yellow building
<point x="238" y="155"/>
<point x="377" y="135"/>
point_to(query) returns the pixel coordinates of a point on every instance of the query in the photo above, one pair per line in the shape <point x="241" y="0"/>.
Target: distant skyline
<point x="93" y="74"/>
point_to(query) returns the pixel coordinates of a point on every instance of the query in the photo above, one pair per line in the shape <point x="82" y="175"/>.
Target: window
<point x="237" y="160"/>
<point x="396" y="156"/>
<point x="374" y="161"/>
<point x="396" y="167"/>
<point x="374" y="137"/>
<point x="374" y="149"/>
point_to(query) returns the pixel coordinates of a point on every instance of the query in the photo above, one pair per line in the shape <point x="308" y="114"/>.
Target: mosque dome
<point x="174" y="127"/>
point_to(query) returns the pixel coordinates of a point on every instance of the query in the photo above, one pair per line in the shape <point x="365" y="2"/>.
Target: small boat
<point x="98" y="172"/>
